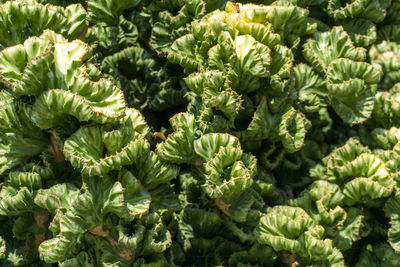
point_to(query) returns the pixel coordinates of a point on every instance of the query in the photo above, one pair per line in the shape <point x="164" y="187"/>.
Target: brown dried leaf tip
<point x="160" y="135"/>
<point x="290" y="259"/>
<point x="150" y="45"/>
<point x="55" y="151"/>
<point x="125" y="254"/>
<point x="39" y="238"/>
<point x="223" y="206"/>
<point x="112" y="242"/>
<point x="98" y="230"/>
<point x="41" y="218"/>
<point x="199" y="162"/>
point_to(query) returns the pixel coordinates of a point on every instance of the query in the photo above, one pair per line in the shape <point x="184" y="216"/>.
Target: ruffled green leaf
<point x="324" y="47"/>
<point x="20" y="139"/>
<point x="372" y="10"/>
<point x="363" y="176"/>
<point x="228" y="170"/>
<point x="15" y="70"/>
<point x="98" y="152"/>
<point x="83" y="259"/>
<point x="386" y="54"/>
<point x="144" y="247"/>
<point x="386" y="139"/>
<point x="353" y="229"/>
<point x="182" y="53"/>
<point x="335" y="259"/>
<point x="361" y="31"/>
<point x="56" y="200"/>
<point x="178" y="148"/>
<point x="389" y="32"/>
<point x="39" y="65"/>
<point x="248" y="24"/>
<point x="263" y="125"/>
<point x="387" y="110"/>
<point x="76" y="21"/>
<point x="378" y="183"/>
<point x="171" y="25"/>
<point x="310" y="87"/>
<point x="198" y="223"/>
<point x="108" y="10"/>
<point x="290" y="21"/>
<point x="350" y="86"/>
<point x="293" y="129"/>
<point x="210" y="85"/>
<point x="18" y="193"/>
<point x="152" y="171"/>
<point x="322" y="201"/>
<point x="21" y="20"/>
<point x="292" y="229"/>
<point x="257" y="254"/>
<point x="14" y="201"/>
<point x="125" y="198"/>
<point x="378" y="255"/>
<point x="286" y="19"/>
<point x="392" y="209"/>
<point x="242" y="208"/>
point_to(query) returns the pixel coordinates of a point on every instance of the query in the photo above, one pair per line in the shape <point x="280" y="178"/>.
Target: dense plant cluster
<point x="200" y="133"/>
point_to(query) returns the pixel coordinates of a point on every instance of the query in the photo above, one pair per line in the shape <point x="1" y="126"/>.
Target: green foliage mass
<point x="200" y="133"/>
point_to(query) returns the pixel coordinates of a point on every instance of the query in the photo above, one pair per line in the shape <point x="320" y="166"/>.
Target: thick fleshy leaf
<point x="21" y="20"/>
<point x="378" y="255"/>
<point x="310" y="87"/>
<point x="263" y="125"/>
<point x="108" y="10"/>
<point x="386" y="54"/>
<point x="392" y="209"/>
<point x="178" y="147"/>
<point x="171" y="24"/>
<point x="324" y="47"/>
<point x="152" y="172"/>
<point x="354" y="228"/>
<point x="20" y="139"/>
<point x="83" y="259"/>
<point x="76" y="21"/>
<point x="293" y="129"/>
<point x="292" y="229"/>
<point x="373" y="179"/>
<point x="363" y="176"/>
<point x="362" y="32"/>
<point x="39" y="65"/>
<point x="228" y="170"/>
<point x="144" y="247"/>
<point x="290" y="21"/>
<point x="15" y="70"/>
<point x="18" y="193"/>
<point x="14" y="201"/>
<point x="386" y="139"/>
<point x="56" y="200"/>
<point x="322" y="201"/>
<point x="257" y="254"/>
<point x="98" y="152"/>
<point x="198" y="223"/>
<point x="349" y="84"/>
<point x="134" y="119"/>
<point x="371" y="9"/>
<point x="181" y="53"/>
<point x="387" y="110"/>
<point x="125" y="198"/>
